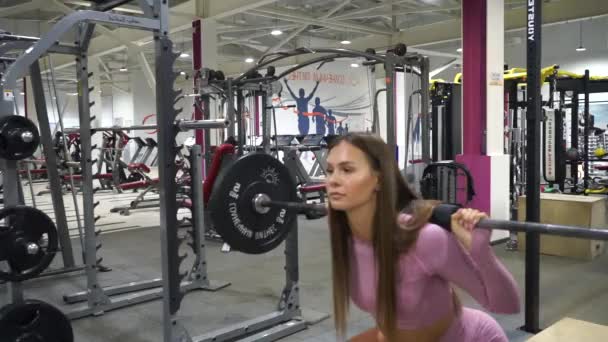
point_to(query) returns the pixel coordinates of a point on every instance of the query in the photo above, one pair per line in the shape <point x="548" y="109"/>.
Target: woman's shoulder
<point x="431" y="238"/>
<point x="428" y="231"/>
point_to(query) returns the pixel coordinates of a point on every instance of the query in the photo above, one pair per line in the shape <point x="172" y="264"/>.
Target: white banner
<point x="332" y="99"/>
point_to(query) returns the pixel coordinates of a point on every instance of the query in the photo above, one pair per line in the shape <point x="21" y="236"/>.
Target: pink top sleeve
<point x="479" y="272"/>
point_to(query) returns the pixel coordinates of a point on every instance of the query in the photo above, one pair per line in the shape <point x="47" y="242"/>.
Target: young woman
<point x="393" y="264"/>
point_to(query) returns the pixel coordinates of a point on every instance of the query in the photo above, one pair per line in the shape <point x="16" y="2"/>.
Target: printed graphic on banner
<point x="332" y="99"/>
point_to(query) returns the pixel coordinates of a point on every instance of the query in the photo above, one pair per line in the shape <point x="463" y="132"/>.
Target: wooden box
<point x="571" y="210"/>
<point x="572" y="330"/>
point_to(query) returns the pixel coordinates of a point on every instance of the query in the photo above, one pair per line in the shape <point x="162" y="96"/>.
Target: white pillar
<point x="209" y="43"/>
<point x="495" y="114"/>
<point x="207" y="57"/>
<point x="144" y="99"/>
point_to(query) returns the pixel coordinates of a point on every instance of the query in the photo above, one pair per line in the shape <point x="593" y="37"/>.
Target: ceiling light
<point x="123" y="69"/>
<point x="182" y="73"/>
<point x="345" y="42"/>
<point x="580" y="47"/>
<point x="22" y="93"/>
<point x="354" y="65"/>
<point x="248" y="60"/>
<point x="184" y="55"/>
<point x="276" y="32"/>
<point x="192" y="95"/>
<point x="71" y="94"/>
<point x="459" y="50"/>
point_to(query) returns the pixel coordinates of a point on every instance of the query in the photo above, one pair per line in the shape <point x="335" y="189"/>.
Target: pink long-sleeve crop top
<point x="437" y="259"/>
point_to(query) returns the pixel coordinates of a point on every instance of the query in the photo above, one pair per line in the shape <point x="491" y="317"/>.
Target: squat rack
<point x="156" y="15"/>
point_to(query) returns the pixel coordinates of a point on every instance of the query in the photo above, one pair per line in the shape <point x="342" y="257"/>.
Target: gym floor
<point x="568" y="287"/>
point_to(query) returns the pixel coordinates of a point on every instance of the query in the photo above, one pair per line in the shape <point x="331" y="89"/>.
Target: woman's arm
<point x="479" y="272"/>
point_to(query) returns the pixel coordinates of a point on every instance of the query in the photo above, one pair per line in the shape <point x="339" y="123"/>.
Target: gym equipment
<point x="446" y="121"/>
<point x="19" y="137"/>
<point x="315" y="144"/>
<point x="34" y="320"/>
<point x="583" y="134"/>
<point x="440" y="182"/>
<point x="28" y="242"/>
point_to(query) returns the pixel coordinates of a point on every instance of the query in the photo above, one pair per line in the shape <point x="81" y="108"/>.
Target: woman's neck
<point x="361" y="219"/>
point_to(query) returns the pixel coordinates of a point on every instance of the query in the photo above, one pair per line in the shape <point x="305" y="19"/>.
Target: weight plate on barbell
<point x="19" y="137"/>
<point x="35" y="321"/>
<point x="231" y="205"/>
<point x="28" y="238"/>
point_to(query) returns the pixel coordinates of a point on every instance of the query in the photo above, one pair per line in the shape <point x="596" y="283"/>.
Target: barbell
<point x="254" y="202"/>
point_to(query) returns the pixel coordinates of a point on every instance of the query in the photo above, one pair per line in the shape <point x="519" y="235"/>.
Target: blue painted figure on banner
<point x="331" y="123"/>
<point x="318" y="117"/>
<point x="302" y="105"/>
<point x="340" y="129"/>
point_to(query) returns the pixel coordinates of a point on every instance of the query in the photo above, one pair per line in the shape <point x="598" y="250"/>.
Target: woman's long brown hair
<point x="389" y="241"/>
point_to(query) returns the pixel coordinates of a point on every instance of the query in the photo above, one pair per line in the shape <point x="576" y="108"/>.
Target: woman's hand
<point x="463" y="223"/>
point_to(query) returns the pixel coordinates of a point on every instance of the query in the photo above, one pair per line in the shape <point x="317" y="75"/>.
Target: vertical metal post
<point x="199" y="272"/>
<point x="391" y="113"/>
<point x="11" y="198"/>
<point x="96" y="296"/>
<point x="574" y="137"/>
<point x="206" y="115"/>
<point x="371" y="80"/>
<point x="52" y="167"/>
<point x="266" y="122"/>
<point x="424" y="110"/>
<point x="170" y="242"/>
<point x="255" y="130"/>
<point x="10" y="179"/>
<point x="230" y="113"/>
<point x="437" y="137"/>
<point x="533" y="146"/>
<point x="586" y="137"/>
<point x="562" y="103"/>
<point x="240" y="118"/>
<point x="290" y="299"/>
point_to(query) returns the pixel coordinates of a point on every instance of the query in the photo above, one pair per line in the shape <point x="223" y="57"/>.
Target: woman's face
<point x="351" y="181"/>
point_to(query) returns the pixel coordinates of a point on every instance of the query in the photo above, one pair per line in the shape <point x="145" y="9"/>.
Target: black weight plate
<point x="231" y="204"/>
<point x="34" y="321"/>
<point x="25" y="225"/>
<point x="12" y="147"/>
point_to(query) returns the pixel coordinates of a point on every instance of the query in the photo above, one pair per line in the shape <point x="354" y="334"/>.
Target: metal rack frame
<point x="392" y="64"/>
<point x="97" y="298"/>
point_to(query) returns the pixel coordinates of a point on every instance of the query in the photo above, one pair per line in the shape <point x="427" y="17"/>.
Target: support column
<point x="483" y="126"/>
<point x="141" y="97"/>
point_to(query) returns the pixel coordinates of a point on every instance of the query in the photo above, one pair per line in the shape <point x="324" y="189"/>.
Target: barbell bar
<point x="442" y="215"/>
<point x="263" y="202"/>
<point x="254" y="203"/>
<point x="181" y="125"/>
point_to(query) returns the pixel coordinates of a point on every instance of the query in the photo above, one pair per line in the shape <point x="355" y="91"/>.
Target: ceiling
<point x="244" y="28"/>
